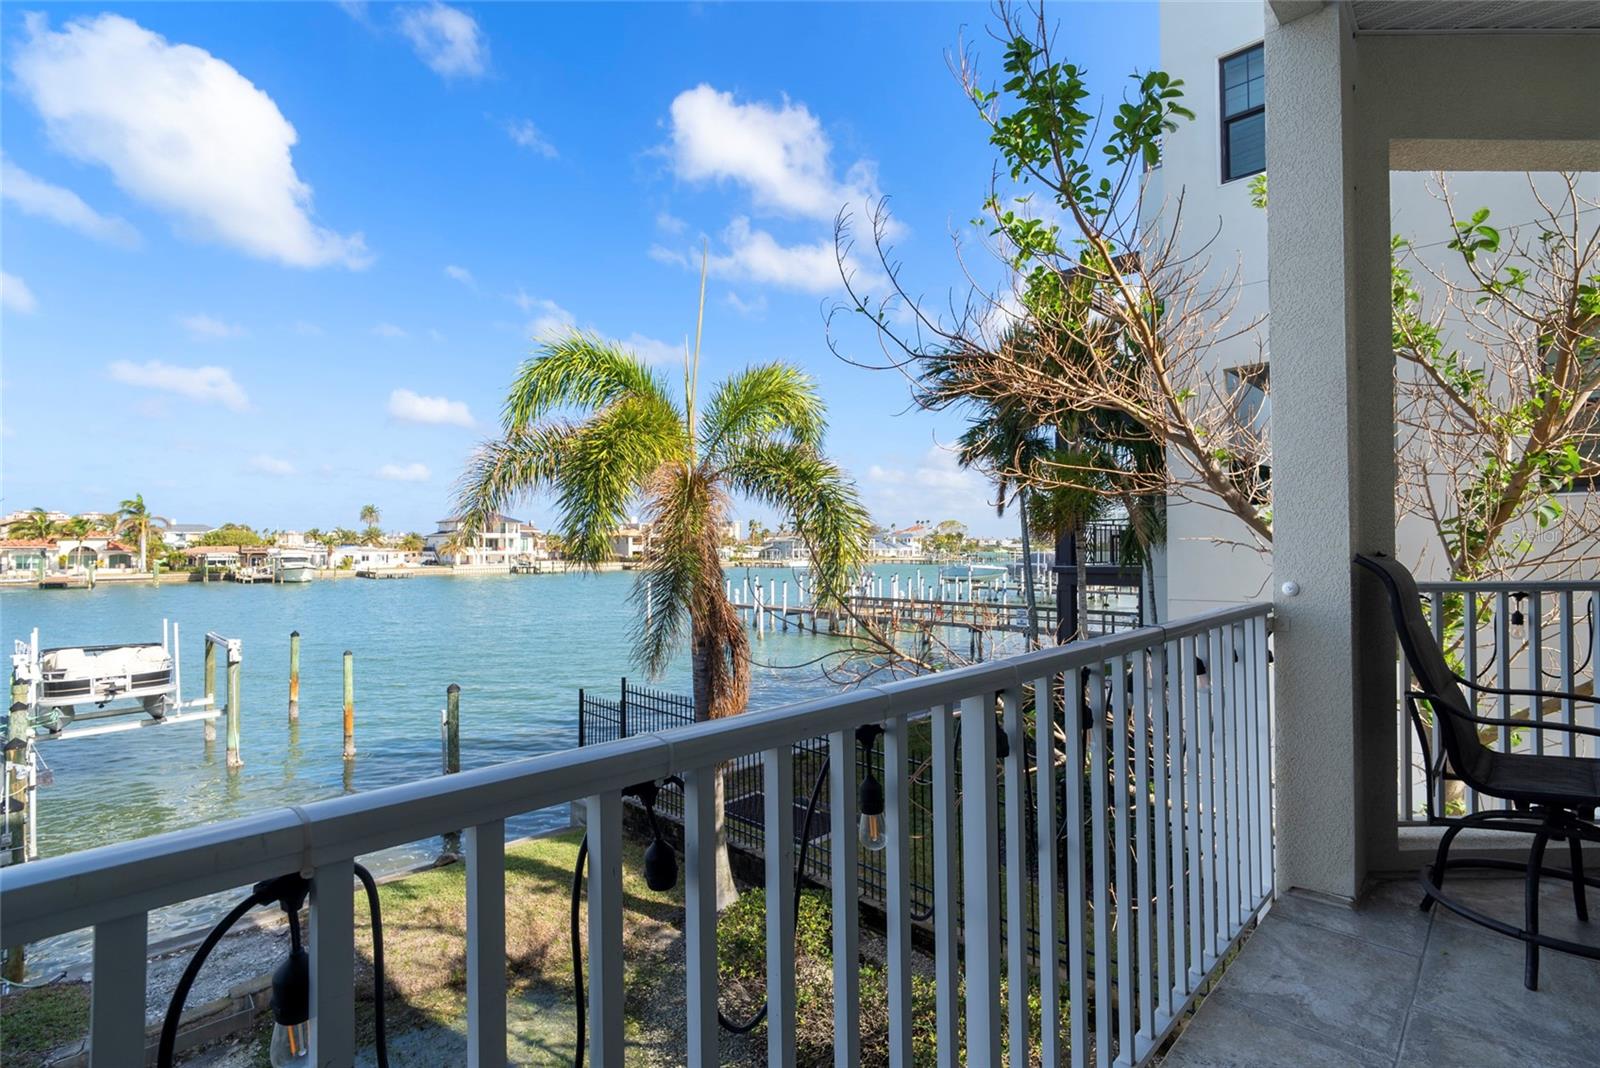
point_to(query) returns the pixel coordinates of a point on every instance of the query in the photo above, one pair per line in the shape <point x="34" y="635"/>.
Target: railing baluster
<point x="1122" y="856"/>
<point x="1193" y="737"/>
<point x="1565" y="683"/>
<point x="1211" y="790"/>
<point x="485" y="846"/>
<point x="333" y="1036"/>
<point x="1160" y="730"/>
<point x="946" y="889"/>
<point x="1502" y="663"/>
<point x="1100" y="871"/>
<point x="845" y="875"/>
<point x="1536" y="666"/>
<point x="117" y="998"/>
<point x="1077" y="945"/>
<point x="897" y="810"/>
<point x="1044" y="752"/>
<point x="777" y="782"/>
<point x="1269" y="875"/>
<point x="606" y="1039"/>
<point x="1016" y="875"/>
<point x="1139" y="861"/>
<point x="1469" y="654"/>
<point x="1179" y="985"/>
<point x="980" y="862"/>
<point x="700" y="913"/>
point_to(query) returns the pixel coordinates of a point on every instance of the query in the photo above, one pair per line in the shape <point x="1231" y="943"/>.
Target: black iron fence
<point x="642" y="710"/>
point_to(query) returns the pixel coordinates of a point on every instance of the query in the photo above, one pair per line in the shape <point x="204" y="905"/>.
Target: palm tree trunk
<point x="144" y="547"/>
<point x="1027" y="570"/>
<point x="700" y="672"/>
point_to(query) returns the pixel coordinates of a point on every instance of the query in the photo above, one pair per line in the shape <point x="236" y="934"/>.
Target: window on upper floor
<point x="1244" y="114"/>
<point x="1252" y="402"/>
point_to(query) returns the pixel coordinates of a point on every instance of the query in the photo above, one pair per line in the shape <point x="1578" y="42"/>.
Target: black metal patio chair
<point x="1552" y="797"/>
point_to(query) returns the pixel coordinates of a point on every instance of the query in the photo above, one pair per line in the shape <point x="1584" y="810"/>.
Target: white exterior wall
<point x="1204" y="565"/>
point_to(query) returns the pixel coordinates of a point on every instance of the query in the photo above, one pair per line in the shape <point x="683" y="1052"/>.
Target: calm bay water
<point x="519" y="646"/>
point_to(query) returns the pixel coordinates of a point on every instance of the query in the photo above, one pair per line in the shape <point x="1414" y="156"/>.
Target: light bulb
<point x="874" y="831"/>
<point x="291" y="1044"/>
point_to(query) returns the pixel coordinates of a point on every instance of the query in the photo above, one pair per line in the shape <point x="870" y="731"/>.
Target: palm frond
<point x="828" y="514"/>
<point x="604" y="467"/>
<point x="580" y="370"/>
<point x="761" y="403"/>
<point x="504" y="469"/>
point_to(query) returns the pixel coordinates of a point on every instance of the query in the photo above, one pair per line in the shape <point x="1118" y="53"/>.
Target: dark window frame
<point x="1226" y="121"/>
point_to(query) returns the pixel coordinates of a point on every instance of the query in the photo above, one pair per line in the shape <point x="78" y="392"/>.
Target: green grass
<point x="34" y="1022"/>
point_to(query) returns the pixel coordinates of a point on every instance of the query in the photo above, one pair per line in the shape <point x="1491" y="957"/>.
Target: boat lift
<point x="72" y="692"/>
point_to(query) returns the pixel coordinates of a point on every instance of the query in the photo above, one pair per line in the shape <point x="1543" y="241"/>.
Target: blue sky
<point x="269" y="262"/>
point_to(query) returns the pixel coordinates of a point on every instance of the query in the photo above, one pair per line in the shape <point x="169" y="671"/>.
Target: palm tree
<point x="133" y="517"/>
<point x="370" y="516"/>
<point x="76" y="528"/>
<point x="630" y="441"/>
<point x="373" y="535"/>
<point x="411" y="542"/>
<point x="35" y="526"/>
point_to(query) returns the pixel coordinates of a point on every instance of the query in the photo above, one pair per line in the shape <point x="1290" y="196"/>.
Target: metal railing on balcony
<point x="1508" y="635"/>
<point x="1152" y="848"/>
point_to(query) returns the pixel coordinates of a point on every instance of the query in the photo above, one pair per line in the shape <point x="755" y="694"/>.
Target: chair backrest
<point x="1468" y="756"/>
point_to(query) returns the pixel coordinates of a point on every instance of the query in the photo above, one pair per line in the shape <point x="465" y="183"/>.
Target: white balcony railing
<point x="1510" y="636"/>
<point x="1152" y="851"/>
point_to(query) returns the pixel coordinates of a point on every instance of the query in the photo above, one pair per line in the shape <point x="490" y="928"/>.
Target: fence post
<point x="235" y="711"/>
<point x="582" y="715"/>
<point x="349" y="705"/>
<point x="452" y="753"/>
<point x="622" y="711"/>
<point x="294" y="675"/>
<point x="211" y="690"/>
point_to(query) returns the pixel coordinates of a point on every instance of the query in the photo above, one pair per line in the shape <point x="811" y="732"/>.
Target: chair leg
<point x="1580" y="898"/>
<point x="1530" y="974"/>
<point x="1440" y="860"/>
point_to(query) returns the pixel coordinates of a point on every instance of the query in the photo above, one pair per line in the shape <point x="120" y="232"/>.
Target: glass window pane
<point x="1247" y="145"/>
<point x="1257" y="62"/>
<point x="1235" y="98"/>
<point x="1257" y="91"/>
<point x="1235" y="71"/>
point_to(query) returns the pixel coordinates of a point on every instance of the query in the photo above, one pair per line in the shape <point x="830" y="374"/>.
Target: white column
<point x="1333" y="453"/>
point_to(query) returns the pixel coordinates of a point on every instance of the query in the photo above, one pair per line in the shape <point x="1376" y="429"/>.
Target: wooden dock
<point x="383" y="573"/>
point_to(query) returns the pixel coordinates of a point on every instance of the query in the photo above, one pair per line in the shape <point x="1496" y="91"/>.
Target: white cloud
<point x="388" y="330"/>
<point x="652" y="350"/>
<point x="460" y="274"/>
<point x="208" y="385"/>
<point x="263" y="464"/>
<point x="668" y="223"/>
<point x="933" y="485"/>
<point x="749" y="308"/>
<point x="207" y="328"/>
<point x="414" y="472"/>
<point x="552" y="317"/>
<point x="35" y="196"/>
<point x="435" y="334"/>
<point x="15" y="294"/>
<point x="526" y="135"/>
<point x="780" y="154"/>
<point x="415" y="408"/>
<point x="180" y="130"/>
<point x="756" y="256"/>
<point x="447" y="39"/>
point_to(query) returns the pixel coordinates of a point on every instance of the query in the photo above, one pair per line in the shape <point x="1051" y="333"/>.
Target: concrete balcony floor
<point x="1319" y="984"/>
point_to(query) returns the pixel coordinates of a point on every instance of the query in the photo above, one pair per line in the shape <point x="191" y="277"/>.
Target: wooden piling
<point x="452" y="754"/>
<point x="294" y="675"/>
<point x="349" y="705"/>
<point x="210" y="728"/>
<point x="235" y="709"/>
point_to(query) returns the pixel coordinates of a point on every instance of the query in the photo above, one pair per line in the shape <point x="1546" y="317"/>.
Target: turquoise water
<point x="519" y="646"/>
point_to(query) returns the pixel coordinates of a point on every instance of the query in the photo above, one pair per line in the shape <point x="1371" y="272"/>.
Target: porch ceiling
<point x="1477" y="16"/>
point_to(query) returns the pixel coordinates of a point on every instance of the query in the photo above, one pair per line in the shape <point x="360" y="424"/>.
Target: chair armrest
<point x="1500" y="721"/>
<point x="1557" y="695"/>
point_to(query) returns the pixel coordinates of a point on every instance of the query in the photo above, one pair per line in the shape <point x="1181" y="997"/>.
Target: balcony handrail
<point x="1510" y="586"/>
<point x="78" y="890"/>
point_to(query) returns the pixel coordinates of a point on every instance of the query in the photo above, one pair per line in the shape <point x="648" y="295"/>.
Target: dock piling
<point x="349" y="705"/>
<point x="294" y="675"/>
<point x="235" y="710"/>
<point x="210" y="728"/>
<point x="451" y="728"/>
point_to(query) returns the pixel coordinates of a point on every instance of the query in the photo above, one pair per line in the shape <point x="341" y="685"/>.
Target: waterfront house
<point x="213" y="557"/>
<point x="501" y="542"/>
<point x="184" y="535"/>
<point x="1245" y="893"/>
<point x="26" y="554"/>
<point x="374" y="556"/>
<point x="785" y="549"/>
<point x="903" y="544"/>
<point x="629" y="542"/>
<point x="96" y="549"/>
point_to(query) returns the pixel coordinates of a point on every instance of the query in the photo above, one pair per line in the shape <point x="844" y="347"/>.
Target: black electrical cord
<point x="289" y="892"/>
